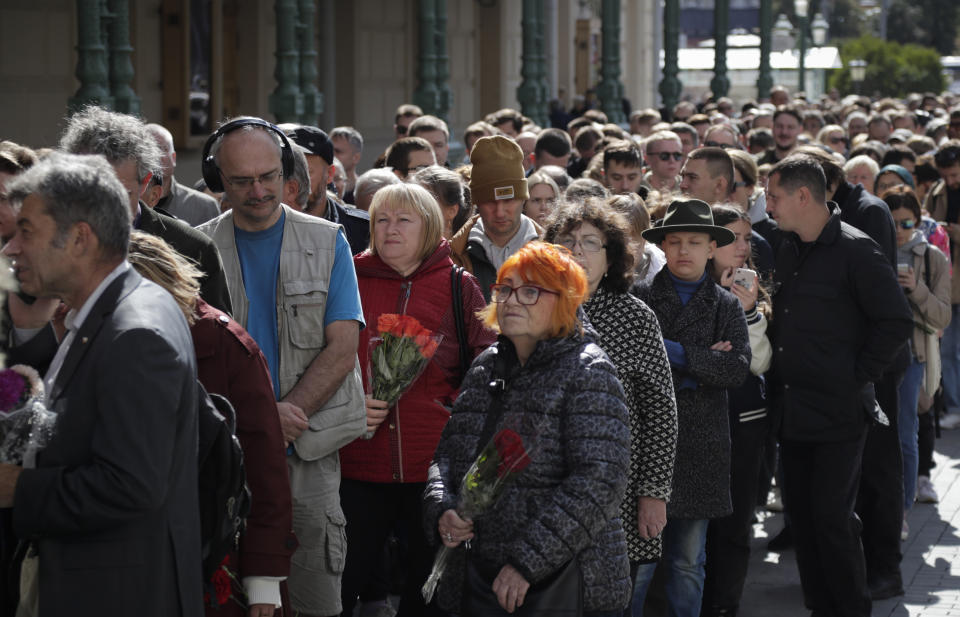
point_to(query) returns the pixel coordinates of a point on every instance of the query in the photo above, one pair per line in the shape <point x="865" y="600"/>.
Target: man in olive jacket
<point x="840" y="318"/>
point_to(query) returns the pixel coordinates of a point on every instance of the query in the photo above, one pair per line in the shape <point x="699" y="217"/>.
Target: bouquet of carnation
<point x="25" y="424"/>
<point x="499" y="462"/>
<point x="398" y="356"/>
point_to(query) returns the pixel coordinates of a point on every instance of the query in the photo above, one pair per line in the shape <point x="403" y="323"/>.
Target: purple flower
<point x="12" y="388"/>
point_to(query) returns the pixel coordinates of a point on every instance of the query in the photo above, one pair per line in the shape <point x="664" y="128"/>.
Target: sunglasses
<point x="665" y="156"/>
<point x="907" y="224"/>
<point x="716" y="144"/>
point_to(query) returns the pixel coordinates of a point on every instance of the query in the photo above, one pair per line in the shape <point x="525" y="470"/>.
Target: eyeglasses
<point x="247" y="183"/>
<point x="665" y="156"/>
<point x="907" y="224"/>
<point x="526" y="294"/>
<point x="837" y="140"/>
<point x="717" y="144"/>
<point x="589" y="244"/>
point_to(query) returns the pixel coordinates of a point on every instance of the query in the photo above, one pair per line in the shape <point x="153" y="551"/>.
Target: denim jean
<point x="908" y="425"/>
<point x="950" y="362"/>
<point x="684" y="555"/>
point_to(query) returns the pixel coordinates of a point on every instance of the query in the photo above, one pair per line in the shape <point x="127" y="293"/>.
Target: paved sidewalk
<point x="931" y="556"/>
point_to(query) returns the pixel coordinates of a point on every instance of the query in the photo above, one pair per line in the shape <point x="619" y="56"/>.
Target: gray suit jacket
<point x="112" y="505"/>
<point x="192" y="207"/>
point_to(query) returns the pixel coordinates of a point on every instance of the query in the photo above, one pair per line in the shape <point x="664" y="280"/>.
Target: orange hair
<point x="552" y="267"/>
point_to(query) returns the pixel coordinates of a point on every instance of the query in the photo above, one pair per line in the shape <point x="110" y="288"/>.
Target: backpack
<point x="224" y="496"/>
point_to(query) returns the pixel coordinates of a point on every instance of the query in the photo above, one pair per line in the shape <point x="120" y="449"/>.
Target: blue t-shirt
<point x="259" y="254"/>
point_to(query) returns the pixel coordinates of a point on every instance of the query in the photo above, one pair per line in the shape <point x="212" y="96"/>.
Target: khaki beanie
<point x="497" y="170"/>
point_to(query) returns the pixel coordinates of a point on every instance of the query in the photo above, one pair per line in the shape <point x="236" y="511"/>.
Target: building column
<point x="610" y="89"/>
<point x="286" y="101"/>
<point x="444" y="94"/>
<point x="765" y="78"/>
<point x="670" y="86"/>
<point x="91" y="58"/>
<point x="426" y="96"/>
<point x="720" y="84"/>
<point x="125" y="100"/>
<point x="529" y="92"/>
<point x="312" y="97"/>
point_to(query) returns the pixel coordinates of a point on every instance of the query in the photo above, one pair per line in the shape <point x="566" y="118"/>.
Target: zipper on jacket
<point x="404" y="298"/>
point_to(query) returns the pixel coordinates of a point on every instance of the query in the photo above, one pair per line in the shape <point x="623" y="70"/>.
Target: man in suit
<point x="111" y="508"/>
<point x="135" y="157"/>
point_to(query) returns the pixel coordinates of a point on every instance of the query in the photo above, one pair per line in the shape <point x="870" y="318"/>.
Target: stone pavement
<point x="931" y="556"/>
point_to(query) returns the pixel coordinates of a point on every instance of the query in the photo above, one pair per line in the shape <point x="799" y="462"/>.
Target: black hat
<point x="312" y="141"/>
<point x="689" y="215"/>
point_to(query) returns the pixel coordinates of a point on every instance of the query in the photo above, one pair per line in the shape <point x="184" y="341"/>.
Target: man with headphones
<point x="295" y="291"/>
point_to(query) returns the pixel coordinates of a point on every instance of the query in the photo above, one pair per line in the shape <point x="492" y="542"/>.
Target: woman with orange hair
<point x="547" y="379"/>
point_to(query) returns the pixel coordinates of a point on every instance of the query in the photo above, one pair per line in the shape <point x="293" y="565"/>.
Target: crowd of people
<point x="683" y="316"/>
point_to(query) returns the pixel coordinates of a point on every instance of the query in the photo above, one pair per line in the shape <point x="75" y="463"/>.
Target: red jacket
<point x="402" y="447"/>
<point x="229" y="363"/>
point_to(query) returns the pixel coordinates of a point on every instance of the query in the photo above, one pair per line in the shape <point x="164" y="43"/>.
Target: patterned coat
<point x="566" y="503"/>
<point x="701" y="474"/>
<point x="630" y="334"/>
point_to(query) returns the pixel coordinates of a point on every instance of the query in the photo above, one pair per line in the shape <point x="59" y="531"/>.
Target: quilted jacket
<point x="566" y="398"/>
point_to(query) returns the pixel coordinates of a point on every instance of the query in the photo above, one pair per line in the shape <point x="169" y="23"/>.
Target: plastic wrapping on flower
<point x="397" y="357"/>
<point x="500" y="462"/>
<point x="26" y="425"/>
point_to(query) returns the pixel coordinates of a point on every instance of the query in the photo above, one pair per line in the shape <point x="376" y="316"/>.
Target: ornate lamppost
<point x="858" y="71"/>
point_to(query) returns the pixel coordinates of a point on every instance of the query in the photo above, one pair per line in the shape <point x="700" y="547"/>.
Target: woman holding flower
<point x="405" y="273"/>
<point x="546" y="378"/>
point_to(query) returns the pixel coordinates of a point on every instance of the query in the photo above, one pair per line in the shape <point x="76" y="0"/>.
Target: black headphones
<point x="208" y="166"/>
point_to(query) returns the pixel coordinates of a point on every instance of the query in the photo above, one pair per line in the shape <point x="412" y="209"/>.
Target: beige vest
<point x="306" y="260"/>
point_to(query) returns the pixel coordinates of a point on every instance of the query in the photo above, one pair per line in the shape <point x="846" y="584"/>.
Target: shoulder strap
<point x="926" y="266"/>
<point x="456" y="293"/>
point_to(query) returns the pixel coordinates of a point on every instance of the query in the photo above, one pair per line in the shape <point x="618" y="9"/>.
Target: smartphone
<point x="745" y="277"/>
<point x="903" y="268"/>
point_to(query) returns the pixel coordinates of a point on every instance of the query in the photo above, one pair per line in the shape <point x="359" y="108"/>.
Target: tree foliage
<point x="932" y="23"/>
<point x="893" y="69"/>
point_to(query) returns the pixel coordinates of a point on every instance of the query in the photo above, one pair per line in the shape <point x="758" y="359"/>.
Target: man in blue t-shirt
<point x="297" y="295"/>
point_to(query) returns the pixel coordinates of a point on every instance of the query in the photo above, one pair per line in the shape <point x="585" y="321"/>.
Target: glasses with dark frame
<point x="665" y="156"/>
<point x="907" y="224"/>
<point x="526" y="294"/>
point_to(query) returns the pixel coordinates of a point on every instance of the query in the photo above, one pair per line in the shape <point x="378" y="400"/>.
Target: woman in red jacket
<point x="229" y="363"/>
<point x="407" y="270"/>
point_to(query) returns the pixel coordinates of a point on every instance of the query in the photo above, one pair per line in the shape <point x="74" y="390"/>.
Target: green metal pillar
<point x="286" y="102"/>
<point x="529" y="91"/>
<point x="610" y="89"/>
<point x="91" y="58"/>
<point x="543" y="83"/>
<point x="765" y="78"/>
<point x="444" y="94"/>
<point x="312" y="97"/>
<point x="125" y="99"/>
<point x="426" y="95"/>
<point x="720" y="84"/>
<point x="670" y="86"/>
<point x="802" y="39"/>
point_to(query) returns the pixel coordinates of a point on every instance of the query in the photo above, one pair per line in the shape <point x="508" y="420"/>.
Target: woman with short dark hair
<point x="599" y="239"/>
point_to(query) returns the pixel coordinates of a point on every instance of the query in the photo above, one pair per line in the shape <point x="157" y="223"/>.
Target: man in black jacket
<point x="840" y="318"/>
<point x="880" y="502"/>
<point x="132" y="152"/>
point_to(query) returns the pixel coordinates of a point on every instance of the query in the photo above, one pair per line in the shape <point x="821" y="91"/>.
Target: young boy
<point x="705" y="334"/>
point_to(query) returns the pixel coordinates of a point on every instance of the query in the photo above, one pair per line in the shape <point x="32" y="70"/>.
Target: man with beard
<point x="787" y="127"/>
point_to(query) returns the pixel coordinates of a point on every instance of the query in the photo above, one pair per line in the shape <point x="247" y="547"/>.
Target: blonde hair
<point x="410" y="198"/>
<point x="157" y="261"/>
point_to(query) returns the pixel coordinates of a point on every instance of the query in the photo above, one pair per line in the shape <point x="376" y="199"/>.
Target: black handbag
<point x="559" y="595"/>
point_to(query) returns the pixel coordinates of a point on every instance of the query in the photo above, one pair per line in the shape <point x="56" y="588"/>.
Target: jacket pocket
<point x="336" y="541"/>
<point x="305" y="304"/>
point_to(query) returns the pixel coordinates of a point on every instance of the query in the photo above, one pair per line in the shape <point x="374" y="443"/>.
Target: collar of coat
<point x="673" y="314"/>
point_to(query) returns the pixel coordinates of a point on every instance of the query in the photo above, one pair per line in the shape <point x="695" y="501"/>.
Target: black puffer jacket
<point x="567" y="501"/>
